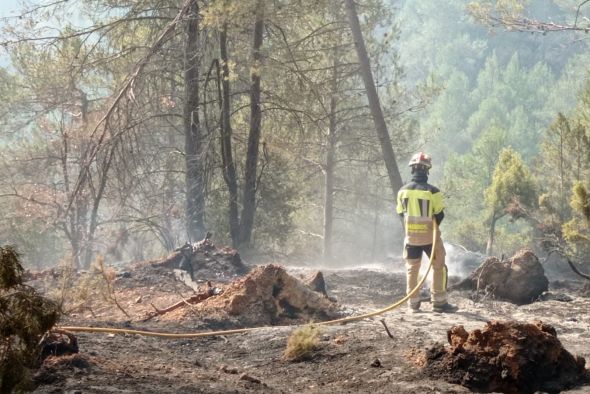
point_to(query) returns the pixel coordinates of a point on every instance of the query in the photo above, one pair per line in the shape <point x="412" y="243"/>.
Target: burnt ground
<point x="345" y="362"/>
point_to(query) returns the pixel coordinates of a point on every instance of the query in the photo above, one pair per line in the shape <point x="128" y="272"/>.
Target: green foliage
<point x="581" y="201"/>
<point x="510" y="237"/>
<point x="278" y="193"/>
<point x="24" y="318"/>
<point x="487" y="148"/>
<point x="576" y="235"/>
<point x="499" y="90"/>
<point x="471" y="172"/>
<point x="576" y="232"/>
<point x="486" y="92"/>
<point x="512" y="182"/>
<point x="470" y="233"/>
<point x="146" y="187"/>
<point x="512" y="97"/>
<point x="512" y="191"/>
<point x="565" y="149"/>
<point x="503" y="78"/>
<point x="11" y="270"/>
<point x="562" y="168"/>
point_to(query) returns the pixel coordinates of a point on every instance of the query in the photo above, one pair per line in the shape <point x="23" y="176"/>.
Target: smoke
<point x="461" y="262"/>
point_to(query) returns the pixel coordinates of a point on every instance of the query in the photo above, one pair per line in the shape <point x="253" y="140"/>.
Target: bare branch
<point x="494" y="17"/>
<point x="578" y="11"/>
<point x="35" y="9"/>
<point x="92" y="151"/>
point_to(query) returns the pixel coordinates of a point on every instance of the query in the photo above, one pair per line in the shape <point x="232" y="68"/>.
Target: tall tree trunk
<point x="169" y="187"/>
<point x="249" y="197"/>
<point x="380" y="126"/>
<point x="96" y="200"/>
<point x="329" y="197"/>
<point x="375" y="232"/>
<point x="80" y="222"/>
<point x="561" y="179"/>
<point x="492" y="233"/>
<point x="229" y="167"/>
<point x="329" y="166"/>
<point x="75" y="242"/>
<point x="195" y="199"/>
<point x="169" y="184"/>
<point x="582" y="145"/>
<point x="70" y="226"/>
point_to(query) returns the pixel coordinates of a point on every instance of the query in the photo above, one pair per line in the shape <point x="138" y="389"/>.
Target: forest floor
<point x="351" y="358"/>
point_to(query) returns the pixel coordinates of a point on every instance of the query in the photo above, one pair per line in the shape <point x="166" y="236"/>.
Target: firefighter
<point x="419" y="203"/>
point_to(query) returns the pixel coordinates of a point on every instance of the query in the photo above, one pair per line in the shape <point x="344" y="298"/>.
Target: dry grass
<point x="302" y="342"/>
<point x="78" y="292"/>
<point x="66" y="276"/>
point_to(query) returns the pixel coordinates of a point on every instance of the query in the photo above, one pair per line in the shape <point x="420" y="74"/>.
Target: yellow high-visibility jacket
<point x="419" y="202"/>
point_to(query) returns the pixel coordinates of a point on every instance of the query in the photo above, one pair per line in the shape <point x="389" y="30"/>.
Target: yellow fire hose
<point x="242" y="330"/>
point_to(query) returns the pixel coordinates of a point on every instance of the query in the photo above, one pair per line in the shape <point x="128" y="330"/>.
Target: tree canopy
<point x="130" y="127"/>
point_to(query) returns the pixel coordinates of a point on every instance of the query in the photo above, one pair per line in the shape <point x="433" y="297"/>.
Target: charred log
<point x="197" y="298"/>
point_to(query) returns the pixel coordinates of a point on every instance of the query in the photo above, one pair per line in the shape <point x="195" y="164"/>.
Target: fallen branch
<point x="197" y="298"/>
<point x="570" y="263"/>
<point x="35" y="275"/>
<point x="386" y="328"/>
<point x="576" y="270"/>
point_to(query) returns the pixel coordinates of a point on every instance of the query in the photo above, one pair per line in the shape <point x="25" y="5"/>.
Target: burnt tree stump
<point x="506" y="357"/>
<point x="520" y="279"/>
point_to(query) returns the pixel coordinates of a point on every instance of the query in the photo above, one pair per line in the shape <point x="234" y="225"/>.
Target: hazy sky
<point x="8" y="7"/>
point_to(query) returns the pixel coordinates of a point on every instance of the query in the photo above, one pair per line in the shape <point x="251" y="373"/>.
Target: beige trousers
<point x="438" y="288"/>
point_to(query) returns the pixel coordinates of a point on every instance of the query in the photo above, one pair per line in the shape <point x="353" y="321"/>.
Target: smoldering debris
<point x="203" y="260"/>
<point x="269" y="295"/>
<point x="223" y="294"/>
<point x="519" y="279"/>
<point x="58" y="343"/>
<point x="56" y="369"/>
<point x="506" y="357"/>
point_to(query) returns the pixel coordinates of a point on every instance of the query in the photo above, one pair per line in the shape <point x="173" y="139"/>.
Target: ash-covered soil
<point x="352" y="358"/>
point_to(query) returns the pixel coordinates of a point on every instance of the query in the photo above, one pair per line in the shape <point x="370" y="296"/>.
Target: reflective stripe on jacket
<point x="419" y="202"/>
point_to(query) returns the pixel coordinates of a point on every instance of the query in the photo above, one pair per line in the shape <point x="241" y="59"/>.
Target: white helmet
<point x="422" y="159"/>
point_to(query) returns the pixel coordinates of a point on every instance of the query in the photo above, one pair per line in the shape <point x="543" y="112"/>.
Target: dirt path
<point x="346" y="361"/>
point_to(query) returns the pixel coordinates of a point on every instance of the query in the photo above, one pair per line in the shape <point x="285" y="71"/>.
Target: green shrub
<point x="25" y="317"/>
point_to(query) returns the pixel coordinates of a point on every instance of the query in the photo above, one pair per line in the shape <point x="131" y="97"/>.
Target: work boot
<point x="414" y="307"/>
<point x="444" y="307"/>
